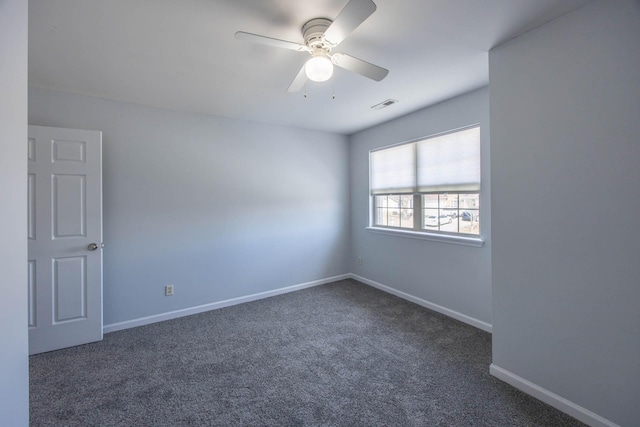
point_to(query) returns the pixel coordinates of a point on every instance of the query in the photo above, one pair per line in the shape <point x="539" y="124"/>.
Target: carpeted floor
<point x="342" y="354"/>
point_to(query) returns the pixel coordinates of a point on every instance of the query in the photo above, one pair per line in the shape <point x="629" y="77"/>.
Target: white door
<point x="65" y="237"/>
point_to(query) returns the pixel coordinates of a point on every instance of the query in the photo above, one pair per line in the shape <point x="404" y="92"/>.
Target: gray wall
<point x="565" y="157"/>
<point x="221" y="208"/>
<point x="14" y="363"/>
<point x="455" y="277"/>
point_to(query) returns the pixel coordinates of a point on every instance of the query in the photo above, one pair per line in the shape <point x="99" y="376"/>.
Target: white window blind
<point x="450" y="162"/>
<point x="393" y="170"/>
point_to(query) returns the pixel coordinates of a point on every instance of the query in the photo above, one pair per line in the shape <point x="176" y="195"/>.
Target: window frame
<point x="418" y="231"/>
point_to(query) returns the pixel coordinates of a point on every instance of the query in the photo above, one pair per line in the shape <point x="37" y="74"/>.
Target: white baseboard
<point x="216" y="305"/>
<point x="227" y="303"/>
<point x="428" y="304"/>
<point x="550" y="398"/>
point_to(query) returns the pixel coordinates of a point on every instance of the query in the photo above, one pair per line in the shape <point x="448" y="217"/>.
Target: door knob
<point x="92" y="246"/>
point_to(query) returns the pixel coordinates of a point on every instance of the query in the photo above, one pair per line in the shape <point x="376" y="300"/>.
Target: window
<point x="430" y="185"/>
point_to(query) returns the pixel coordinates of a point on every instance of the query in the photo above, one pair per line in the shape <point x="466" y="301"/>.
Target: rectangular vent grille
<point x="384" y="104"/>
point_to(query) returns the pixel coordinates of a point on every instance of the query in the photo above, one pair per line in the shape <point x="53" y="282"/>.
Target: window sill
<point x="442" y="238"/>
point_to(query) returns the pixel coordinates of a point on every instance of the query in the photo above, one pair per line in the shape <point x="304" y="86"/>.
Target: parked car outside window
<point x="434" y="221"/>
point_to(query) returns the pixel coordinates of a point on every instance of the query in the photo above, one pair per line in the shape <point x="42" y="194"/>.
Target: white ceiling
<point x="182" y="54"/>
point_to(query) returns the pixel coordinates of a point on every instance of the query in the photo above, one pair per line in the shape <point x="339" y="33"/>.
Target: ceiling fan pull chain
<point x="333" y="87"/>
<point x="305" y="89"/>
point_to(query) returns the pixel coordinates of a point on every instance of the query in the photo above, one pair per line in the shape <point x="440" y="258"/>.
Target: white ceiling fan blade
<point x="353" y="14"/>
<point x="254" y="38"/>
<point x="359" y="66"/>
<point x="299" y="82"/>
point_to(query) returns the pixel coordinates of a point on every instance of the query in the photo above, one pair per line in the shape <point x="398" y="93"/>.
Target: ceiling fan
<point x="321" y="35"/>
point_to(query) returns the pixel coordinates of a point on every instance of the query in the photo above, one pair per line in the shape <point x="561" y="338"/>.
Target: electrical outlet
<point x="168" y="290"/>
<point x="359" y="260"/>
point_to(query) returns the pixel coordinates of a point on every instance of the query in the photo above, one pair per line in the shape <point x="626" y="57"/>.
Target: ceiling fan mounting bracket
<point x="313" y="33"/>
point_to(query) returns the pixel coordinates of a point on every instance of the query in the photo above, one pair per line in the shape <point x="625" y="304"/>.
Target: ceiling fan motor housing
<point x="313" y="33"/>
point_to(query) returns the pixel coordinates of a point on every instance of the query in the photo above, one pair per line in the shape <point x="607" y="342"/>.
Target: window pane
<point x="450" y="220"/>
<point x="448" y="201"/>
<point x="406" y="211"/>
<point x="380" y="210"/>
<point x="406" y="201"/>
<point x="381" y="216"/>
<point x="393" y="216"/>
<point x="469" y="221"/>
<point x="430" y="201"/>
<point x="393" y="201"/>
<point x="470" y="201"/>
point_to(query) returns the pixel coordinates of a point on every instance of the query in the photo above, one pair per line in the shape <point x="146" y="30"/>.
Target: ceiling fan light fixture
<point x="319" y="68"/>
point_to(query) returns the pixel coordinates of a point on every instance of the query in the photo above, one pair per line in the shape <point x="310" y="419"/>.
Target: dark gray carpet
<point x="342" y="354"/>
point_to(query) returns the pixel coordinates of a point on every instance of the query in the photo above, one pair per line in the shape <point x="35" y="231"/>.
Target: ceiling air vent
<point x="384" y="104"/>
